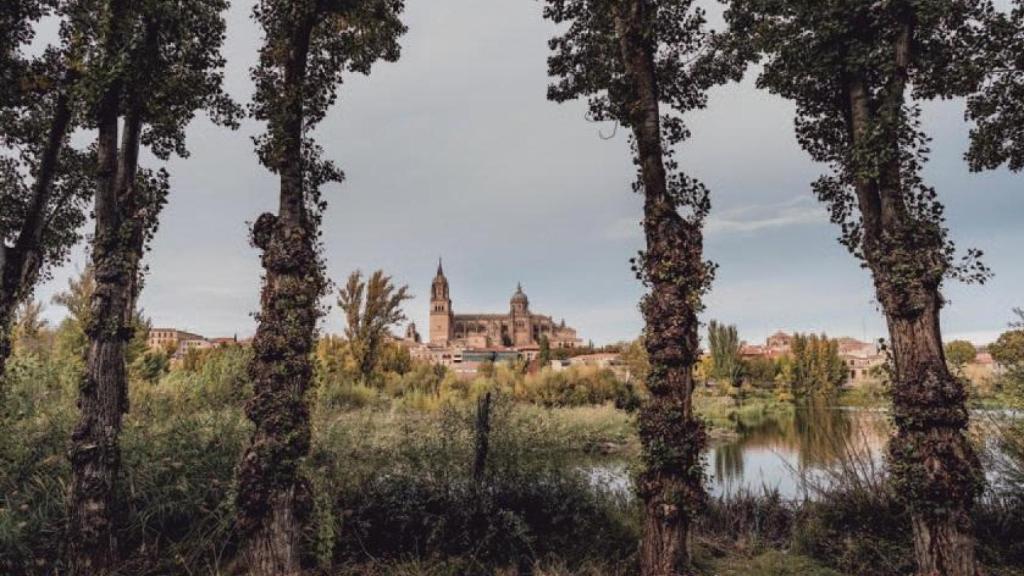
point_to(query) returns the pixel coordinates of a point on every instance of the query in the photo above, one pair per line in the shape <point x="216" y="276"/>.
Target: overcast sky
<point x="454" y="152"/>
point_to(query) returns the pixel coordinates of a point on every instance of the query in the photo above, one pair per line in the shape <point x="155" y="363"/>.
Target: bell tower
<point x="521" y="319"/>
<point x="440" y="309"/>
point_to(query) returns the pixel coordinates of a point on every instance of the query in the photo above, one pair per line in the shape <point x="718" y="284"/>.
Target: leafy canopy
<point x="586" y="62"/>
<point x="34" y="85"/>
<point x="344" y="36"/>
<point x="828" y="57"/>
<point x="371" y="307"/>
<point x="997" y="107"/>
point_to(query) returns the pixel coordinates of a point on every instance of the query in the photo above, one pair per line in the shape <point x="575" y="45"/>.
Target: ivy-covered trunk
<point x="103" y="394"/>
<point x="272" y="497"/>
<point x="671" y="481"/>
<point x="125" y="212"/>
<point x="935" y="469"/>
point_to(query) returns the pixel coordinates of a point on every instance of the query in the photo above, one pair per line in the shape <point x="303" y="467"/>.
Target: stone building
<point x="170" y="338"/>
<point x="517" y="328"/>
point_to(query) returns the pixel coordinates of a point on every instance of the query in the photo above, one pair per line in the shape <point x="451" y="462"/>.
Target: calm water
<point x="794" y="453"/>
<point x="790" y="453"/>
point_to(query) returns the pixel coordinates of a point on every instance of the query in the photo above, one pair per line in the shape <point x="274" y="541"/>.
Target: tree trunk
<point x="272" y="498"/>
<point x="934" y="465"/>
<point x="6" y="323"/>
<point x="20" y="264"/>
<point x="934" y="468"/>
<point x="95" y="453"/>
<point x="103" y="393"/>
<point x="671" y="483"/>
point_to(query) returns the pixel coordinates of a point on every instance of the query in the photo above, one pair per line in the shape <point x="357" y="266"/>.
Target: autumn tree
<point x="643" y="64"/>
<point x="309" y="45"/>
<point x="31" y="330"/>
<point x="153" y="65"/>
<point x="44" y="182"/>
<point x="814" y="368"/>
<point x="960" y="353"/>
<point x="1008" y="349"/>
<point x="371" y="308"/>
<point x="857" y="72"/>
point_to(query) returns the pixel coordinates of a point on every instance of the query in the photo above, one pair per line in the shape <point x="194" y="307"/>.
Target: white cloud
<point x="800" y="211"/>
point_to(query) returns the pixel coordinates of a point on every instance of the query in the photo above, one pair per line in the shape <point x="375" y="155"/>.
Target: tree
<point x="370" y="308"/>
<point x="153" y="66"/>
<point x="848" y="68"/>
<point x="814" y="368"/>
<point x="544" y="357"/>
<point x="629" y="58"/>
<point x="960" y="353"/>
<point x="150" y="366"/>
<point x="1008" y="349"/>
<point x="71" y="344"/>
<point x="309" y="45"/>
<point x="1019" y="323"/>
<point x="724" y="345"/>
<point x="760" y="371"/>
<point x="44" y="183"/>
<point x="31" y="329"/>
<point x="634" y="356"/>
<point x="78" y="296"/>
<point x="996" y="108"/>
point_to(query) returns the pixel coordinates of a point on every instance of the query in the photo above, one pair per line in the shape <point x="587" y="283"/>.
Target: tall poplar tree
<point x="857" y="70"/>
<point x="44" y="183"/>
<point x="153" y="65"/>
<point x="309" y="45"/>
<point x="643" y="64"/>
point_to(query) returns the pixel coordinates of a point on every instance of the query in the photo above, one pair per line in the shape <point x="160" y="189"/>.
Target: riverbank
<point x="393" y="484"/>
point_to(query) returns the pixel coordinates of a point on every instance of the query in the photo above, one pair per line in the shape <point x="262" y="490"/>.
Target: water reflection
<point x="776" y="451"/>
<point x="770" y="448"/>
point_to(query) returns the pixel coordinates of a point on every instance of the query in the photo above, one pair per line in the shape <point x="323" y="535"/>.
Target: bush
<point x="413" y="493"/>
<point x="36" y="419"/>
<point x="748" y="521"/>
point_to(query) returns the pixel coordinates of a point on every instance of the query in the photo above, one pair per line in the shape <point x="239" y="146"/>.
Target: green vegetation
<point x="390" y="472"/>
<point x="959" y="353"/>
<point x="814" y="368"/>
<point x="724" y="349"/>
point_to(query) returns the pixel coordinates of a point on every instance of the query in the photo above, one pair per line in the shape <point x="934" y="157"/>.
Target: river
<point x="793" y="453"/>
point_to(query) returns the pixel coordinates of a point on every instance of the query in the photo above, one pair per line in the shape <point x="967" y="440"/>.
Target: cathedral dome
<point x="520" y="297"/>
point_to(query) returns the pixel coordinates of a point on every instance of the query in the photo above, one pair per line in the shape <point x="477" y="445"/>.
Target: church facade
<point x="517" y="328"/>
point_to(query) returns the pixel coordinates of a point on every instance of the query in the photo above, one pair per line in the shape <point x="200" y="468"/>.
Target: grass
<point x="771" y="563"/>
<point x="723" y="413"/>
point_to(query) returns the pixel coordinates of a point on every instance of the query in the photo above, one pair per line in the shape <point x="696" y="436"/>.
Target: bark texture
<point x="671" y="484"/>
<point x="935" y="469"/>
<point x="934" y="464"/>
<point x="121" y="218"/>
<point x="272" y="498"/>
<point x="103" y="398"/>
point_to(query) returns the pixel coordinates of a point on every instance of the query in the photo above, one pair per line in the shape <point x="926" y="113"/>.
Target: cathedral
<point x="518" y="328"/>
